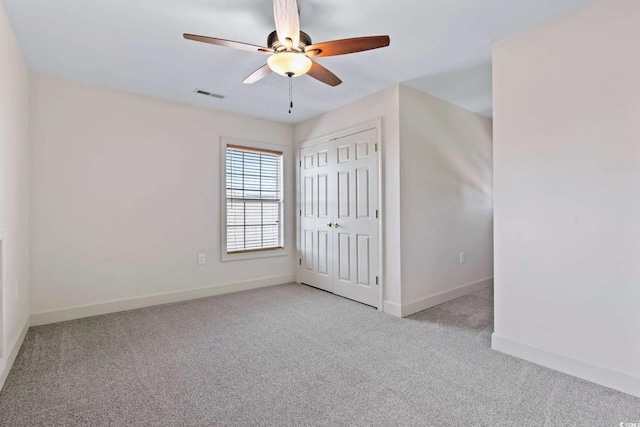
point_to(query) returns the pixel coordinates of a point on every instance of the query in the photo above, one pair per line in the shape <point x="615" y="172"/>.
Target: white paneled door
<point x="339" y="216"/>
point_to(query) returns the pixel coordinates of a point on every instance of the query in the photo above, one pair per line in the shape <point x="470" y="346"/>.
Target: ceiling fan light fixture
<point x="289" y="63"/>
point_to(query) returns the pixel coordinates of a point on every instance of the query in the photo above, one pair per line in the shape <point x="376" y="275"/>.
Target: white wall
<point x="126" y="193"/>
<point x="381" y="105"/>
<point x="446" y="200"/>
<point x="14" y="193"/>
<point x="567" y="186"/>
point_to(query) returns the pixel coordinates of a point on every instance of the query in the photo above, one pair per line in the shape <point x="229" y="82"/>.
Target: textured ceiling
<point x="441" y="47"/>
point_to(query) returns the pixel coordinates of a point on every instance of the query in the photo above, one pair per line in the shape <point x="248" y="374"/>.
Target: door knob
<point x="330" y="225"/>
<point x="335" y="225"/>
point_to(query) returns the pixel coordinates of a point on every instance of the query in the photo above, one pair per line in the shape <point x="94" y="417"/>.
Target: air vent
<point x="205" y="93"/>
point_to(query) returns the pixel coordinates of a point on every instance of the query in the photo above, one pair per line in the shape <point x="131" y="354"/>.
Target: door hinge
<point x="300" y="212"/>
<point x="300" y="163"/>
<point x="377" y="214"/>
<point x="376" y="147"/>
<point x="377" y="280"/>
<point x="300" y="261"/>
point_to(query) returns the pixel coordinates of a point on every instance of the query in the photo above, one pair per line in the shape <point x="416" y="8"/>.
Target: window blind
<point x="254" y="199"/>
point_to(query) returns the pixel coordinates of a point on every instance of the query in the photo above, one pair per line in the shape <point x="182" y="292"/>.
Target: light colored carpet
<point x="292" y="356"/>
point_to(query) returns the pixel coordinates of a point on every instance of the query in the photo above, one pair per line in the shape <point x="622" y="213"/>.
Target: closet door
<point x="316" y="234"/>
<point x="355" y="217"/>
<point x="339" y="217"/>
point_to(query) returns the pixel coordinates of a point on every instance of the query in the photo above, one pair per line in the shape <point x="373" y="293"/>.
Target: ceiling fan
<point x="291" y="50"/>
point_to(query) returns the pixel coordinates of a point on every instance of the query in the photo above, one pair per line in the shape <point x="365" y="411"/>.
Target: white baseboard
<point x="6" y="362"/>
<point x="434" y="300"/>
<point x="54" y="316"/>
<point x="578" y="368"/>
<point x="392" y="308"/>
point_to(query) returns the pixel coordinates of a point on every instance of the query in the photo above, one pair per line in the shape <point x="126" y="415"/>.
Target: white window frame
<point x="262" y="253"/>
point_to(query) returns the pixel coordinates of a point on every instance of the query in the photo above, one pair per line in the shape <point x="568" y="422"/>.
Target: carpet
<point x="292" y="355"/>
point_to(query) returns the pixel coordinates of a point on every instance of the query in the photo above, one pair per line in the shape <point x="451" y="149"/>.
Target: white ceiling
<point x="442" y="47"/>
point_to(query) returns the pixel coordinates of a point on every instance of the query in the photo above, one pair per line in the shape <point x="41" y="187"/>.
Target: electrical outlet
<point x="461" y="257"/>
<point x="202" y="259"/>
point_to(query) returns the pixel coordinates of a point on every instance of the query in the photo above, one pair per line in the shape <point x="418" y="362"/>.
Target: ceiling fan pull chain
<point x="290" y="91"/>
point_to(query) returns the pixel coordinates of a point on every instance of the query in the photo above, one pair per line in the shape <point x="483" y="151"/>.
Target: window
<point x="254" y="200"/>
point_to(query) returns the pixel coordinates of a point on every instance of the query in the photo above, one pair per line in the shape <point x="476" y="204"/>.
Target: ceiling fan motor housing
<point x="274" y="43"/>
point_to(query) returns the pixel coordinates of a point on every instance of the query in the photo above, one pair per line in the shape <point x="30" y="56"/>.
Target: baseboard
<point x="607" y="377"/>
<point x="392" y="308"/>
<point x="54" y="316"/>
<point x="6" y="362"/>
<point x="434" y="300"/>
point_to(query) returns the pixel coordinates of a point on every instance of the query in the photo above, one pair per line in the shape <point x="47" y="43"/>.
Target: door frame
<point x="376" y="125"/>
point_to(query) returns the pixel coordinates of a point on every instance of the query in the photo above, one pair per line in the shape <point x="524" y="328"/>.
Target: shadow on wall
<point x="461" y="167"/>
<point x="469" y="87"/>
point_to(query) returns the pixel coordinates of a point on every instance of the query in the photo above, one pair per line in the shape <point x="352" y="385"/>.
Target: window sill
<point x="242" y="256"/>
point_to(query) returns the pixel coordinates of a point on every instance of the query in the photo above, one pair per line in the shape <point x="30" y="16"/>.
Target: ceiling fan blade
<point x="287" y="19"/>
<point x="344" y="46"/>
<point x="228" y="43"/>
<point x="320" y="73"/>
<point x="258" y="74"/>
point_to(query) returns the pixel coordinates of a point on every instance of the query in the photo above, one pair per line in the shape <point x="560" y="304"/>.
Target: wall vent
<point x="205" y="93"/>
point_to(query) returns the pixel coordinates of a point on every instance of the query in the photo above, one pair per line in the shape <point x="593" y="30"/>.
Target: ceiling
<point x="441" y="47"/>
